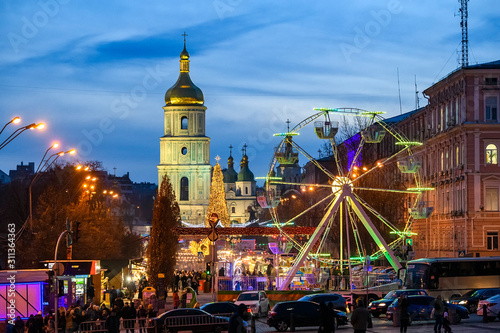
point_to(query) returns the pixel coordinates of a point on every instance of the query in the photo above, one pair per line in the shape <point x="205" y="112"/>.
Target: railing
<point x="140" y="324"/>
<point x="146" y="325"/>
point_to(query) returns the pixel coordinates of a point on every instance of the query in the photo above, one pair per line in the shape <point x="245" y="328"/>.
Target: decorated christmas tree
<point x="217" y="201"/>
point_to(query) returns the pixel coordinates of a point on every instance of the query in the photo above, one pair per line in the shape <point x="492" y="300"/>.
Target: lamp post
<point x="18" y="131"/>
<point x="42" y="168"/>
<point x="14" y="120"/>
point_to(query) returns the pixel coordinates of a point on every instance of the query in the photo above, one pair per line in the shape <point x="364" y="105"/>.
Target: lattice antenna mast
<point x="417" y="100"/>
<point x="464" y="13"/>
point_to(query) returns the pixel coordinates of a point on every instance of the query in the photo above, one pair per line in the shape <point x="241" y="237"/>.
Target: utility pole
<point x="56" y="270"/>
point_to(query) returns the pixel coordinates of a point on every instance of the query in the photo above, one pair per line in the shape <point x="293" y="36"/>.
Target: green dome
<point x="230" y="175"/>
<point x="245" y="174"/>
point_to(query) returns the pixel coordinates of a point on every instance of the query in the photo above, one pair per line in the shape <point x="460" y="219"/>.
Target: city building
<point x="460" y="131"/>
<point x="240" y="190"/>
<point x="184" y="147"/>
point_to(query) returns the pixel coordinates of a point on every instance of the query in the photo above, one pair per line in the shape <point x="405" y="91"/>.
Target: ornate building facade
<point x="184" y="147"/>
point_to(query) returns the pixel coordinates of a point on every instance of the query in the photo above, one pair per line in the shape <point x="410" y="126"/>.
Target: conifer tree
<point x="217" y="200"/>
<point x="163" y="244"/>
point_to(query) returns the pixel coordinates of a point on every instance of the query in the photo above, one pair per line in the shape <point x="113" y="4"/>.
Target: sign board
<point x="200" y="255"/>
<point x="213" y="236"/>
<point x="213" y="220"/>
<point x="461" y="253"/>
<point x="409" y="241"/>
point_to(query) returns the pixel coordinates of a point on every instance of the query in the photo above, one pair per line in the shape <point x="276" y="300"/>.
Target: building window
<point x="491" y="154"/>
<point x="492" y="240"/>
<point x="491" y="108"/>
<point x="184" y="123"/>
<point x="184" y="189"/>
<point x="184" y="150"/>
<point x="491" y="200"/>
<point x="246" y="190"/>
<point x="233" y="210"/>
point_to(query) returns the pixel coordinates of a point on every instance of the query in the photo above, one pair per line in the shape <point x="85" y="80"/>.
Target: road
<point x="473" y="324"/>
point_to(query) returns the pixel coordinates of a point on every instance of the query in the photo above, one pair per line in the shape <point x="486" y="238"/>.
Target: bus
<point x="452" y="276"/>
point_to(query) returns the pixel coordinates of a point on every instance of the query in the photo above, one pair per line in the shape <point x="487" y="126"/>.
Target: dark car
<point x="471" y="298"/>
<point x="304" y="314"/>
<point x="379" y="307"/>
<point x="224" y="309"/>
<point x="195" y="320"/>
<point x="339" y="302"/>
<point x="420" y="308"/>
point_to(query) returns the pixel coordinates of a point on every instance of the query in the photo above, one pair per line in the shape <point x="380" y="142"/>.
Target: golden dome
<point x="184" y="91"/>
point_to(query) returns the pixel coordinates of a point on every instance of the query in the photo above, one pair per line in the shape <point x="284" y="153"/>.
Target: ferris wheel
<point x="352" y="174"/>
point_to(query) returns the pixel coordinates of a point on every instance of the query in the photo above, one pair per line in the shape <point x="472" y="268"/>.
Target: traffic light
<point x="208" y="268"/>
<point x="60" y="291"/>
<point x="50" y="280"/>
<point x="69" y="240"/>
<point x="76" y="232"/>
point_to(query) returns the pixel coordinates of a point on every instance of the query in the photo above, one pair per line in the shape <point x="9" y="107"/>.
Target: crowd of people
<point x="183" y="279"/>
<point x="91" y="315"/>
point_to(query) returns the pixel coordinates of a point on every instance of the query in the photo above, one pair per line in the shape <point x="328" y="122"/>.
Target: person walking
<point x="142" y="315"/>
<point x="19" y="325"/>
<point x="236" y="321"/>
<point x="330" y="328"/>
<point x="360" y="317"/>
<point x="404" y="314"/>
<point x="61" y="320"/>
<point x="176" y="299"/>
<point x="113" y="321"/>
<point x="438" y="313"/>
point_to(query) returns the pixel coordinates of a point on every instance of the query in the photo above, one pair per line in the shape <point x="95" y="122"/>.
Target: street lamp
<point x="14" y="120"/>
<point x="16" y="133"/>
<point x="44" y="168"/>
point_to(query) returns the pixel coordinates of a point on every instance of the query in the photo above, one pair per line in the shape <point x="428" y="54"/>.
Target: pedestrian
<point x="151" y="311"/>
<point x="39" y="322"/>
<point x="176" y="299"/>
<point x="51" y="325"/>
<point x="323" y="317"/>
<point x="331" y="319"/>
<point x="61" y="322"/>
<point x="19" y="325"/>
<point x="236" y="324"/>
<point x="446" y="321"/>
<point x="69" y="320"/>
<point x="113" y="321"/>
<point x="142" y="315"/>
<point x="438" y="313"/>
<point x="404" y="314"/>
<point x="360" y="317"/>
<point x="30" y="324"/>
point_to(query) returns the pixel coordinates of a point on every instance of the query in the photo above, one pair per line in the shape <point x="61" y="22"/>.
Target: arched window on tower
<point x="233" y="210"/>
<point x="184" y="189"/>
<point x="184" y="123"/>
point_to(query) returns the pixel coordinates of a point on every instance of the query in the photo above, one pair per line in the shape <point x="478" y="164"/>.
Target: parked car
<point x="304" y="313"/>
<point x="420" y="308"/>
<point x="379" y="307"/>
<point x="256" y="301"/>
<point x="224" y="309"/>
<point x="471" y="298"/>
<point x="339" y="302"/>
<point x="196" y="319"/>
<point x="492" y="307"/>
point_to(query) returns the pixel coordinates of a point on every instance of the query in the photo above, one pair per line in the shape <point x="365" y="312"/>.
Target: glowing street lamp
<point x="44" y="168"/>
<point x="15" y="120"/>
<point x="17" y="132"/>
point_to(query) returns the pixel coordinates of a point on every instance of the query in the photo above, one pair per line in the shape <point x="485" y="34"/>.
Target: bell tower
<point x="184" y="148"/>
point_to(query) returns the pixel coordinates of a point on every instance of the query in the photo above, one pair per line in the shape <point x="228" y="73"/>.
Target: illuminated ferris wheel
<point x="350" y="187"/>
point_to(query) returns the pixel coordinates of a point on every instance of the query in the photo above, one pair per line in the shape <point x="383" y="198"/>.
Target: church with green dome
<point x="185" y="156"/>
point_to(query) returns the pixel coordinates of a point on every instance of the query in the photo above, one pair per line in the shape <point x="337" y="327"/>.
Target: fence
<point x="206" y="323"/>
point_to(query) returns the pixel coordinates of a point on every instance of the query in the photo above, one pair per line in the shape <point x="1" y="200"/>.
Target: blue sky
<point x="96" y="71"/>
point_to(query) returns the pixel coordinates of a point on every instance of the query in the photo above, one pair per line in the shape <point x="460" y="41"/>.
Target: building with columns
<point x="184" y="147"/>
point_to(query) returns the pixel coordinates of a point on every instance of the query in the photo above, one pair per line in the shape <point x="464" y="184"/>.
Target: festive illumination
<point x="420" y="189"/>
<point x="203" y="247"/>
<point x="404" y="233"/>
<point x="217" y="201"/>
<point x="408" y="143"/>
<point x="286" y="134"/>
<point x="247" y="231"/>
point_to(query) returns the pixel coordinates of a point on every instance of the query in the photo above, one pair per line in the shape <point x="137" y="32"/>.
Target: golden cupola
<point x="184" y="91"/>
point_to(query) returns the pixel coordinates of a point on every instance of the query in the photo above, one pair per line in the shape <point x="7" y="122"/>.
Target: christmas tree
<point x="163" y="244"/>
<point x="217" y="201"/>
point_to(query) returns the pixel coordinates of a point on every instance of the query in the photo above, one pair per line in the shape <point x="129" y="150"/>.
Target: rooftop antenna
<point x="399" y="93"/>
<point x="464" y="13"/>
<point x="417" y="101"/>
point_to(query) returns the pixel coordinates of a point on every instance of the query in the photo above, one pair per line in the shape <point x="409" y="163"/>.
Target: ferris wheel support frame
<point x="334" y="206"/>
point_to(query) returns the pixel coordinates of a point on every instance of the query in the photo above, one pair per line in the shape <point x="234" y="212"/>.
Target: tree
<point x="62" y="197"/>
<point x="163" y="244"/>
<point x="217" y="200"/>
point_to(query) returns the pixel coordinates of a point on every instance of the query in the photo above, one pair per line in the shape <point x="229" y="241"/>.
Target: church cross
<point x="230" y="150"/>
<point x="184" y="35"/>
<point x="244" y="149"/>
<point x="217" y="158"/>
